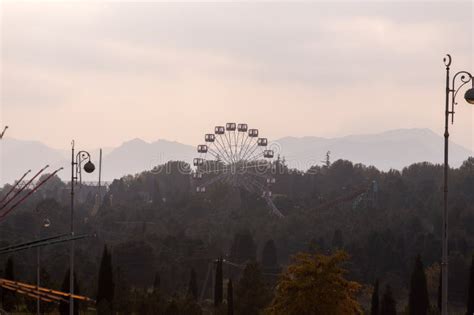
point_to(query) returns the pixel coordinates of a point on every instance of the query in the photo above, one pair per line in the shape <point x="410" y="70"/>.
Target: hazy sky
<point x="106" y="72"/>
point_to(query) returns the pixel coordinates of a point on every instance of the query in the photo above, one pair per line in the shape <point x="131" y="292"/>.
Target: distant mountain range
<point x="391" y="149"/>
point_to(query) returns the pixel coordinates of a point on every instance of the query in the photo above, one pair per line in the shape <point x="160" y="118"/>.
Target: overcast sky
<point x="104" y="73"/>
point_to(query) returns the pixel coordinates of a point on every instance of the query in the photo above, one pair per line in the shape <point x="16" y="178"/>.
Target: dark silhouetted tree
<point x="389" y="306"/>
<point x="156" y="282"/>
<point x="251" y="295"/>
<point x="440" y="288"/>
<point x="64" y="306"/>
<point x="8" y="297"/>
<point x="374" y="306"/>
<point x="337" y="240"/>
<point x="418" y="303"/>
<point x="193" y="288"/>
<point x="172" y="308"/>
<point x="269" y="255"/>
<point x="243" y="248"/>
<point x="470" y="292"/>
<point x="218" y="286"/>
<point x="106" y="286"/>
<point x="230" y="298"/>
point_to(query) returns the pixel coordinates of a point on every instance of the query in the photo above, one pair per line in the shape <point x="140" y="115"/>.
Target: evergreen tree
<point x="218" y="287"/>
<point x="389" y="306"/>
<point x="172" y="308"/>
<point x="269" y="255"/>
<point x="251" y="295"/>
<point x="122" y="293"/>
<point x="470" y="292"/>
<point x="374" y="306"/>
<point x="193" y="289"/>
<point x="8" y="297"/>
<point x="337" y="240"/>
<point x="243" y="248"/>
<point x="230" y="298"/>
<point x="106" y="286"/>
<point x="440" y="287"/>
<point x="156" y="282"/>
<point x="64" y="306"/>
<point x="418" y="303"/>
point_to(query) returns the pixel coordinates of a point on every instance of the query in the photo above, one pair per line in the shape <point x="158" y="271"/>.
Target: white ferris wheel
<point x="235" y="155"/>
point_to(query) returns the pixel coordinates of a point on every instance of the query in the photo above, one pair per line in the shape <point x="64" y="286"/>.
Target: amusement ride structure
<point x="236" y="155"/>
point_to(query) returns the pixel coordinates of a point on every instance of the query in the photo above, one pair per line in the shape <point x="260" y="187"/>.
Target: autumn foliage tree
<point x="316" y="284"/>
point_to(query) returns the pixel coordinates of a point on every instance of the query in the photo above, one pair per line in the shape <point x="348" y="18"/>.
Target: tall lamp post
<point x="460" y="79"/>
<point x="76" y="169"/>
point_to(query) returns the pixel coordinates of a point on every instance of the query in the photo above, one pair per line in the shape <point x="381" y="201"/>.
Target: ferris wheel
<point x="236" y="155"/>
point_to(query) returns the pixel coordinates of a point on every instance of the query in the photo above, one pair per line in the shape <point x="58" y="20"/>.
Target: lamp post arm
<point x="463" y="78"/>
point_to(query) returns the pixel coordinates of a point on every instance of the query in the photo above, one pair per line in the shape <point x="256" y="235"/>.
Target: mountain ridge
<point x="391" y="149"/>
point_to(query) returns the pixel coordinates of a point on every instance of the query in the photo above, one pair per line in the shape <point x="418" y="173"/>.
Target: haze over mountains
<point x="391" y="149"/>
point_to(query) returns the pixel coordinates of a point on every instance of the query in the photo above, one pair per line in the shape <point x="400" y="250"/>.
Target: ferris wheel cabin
<point x="253" y="133"/>
<point x="268" y="154"/>
<point x="219" y="130"/>
<point x="202" y="148"/>
<point x="230" y="126"/>
<point x="197" y="175"/>
<point x="242" y="127"/>
<point x="210" y="137"/>
<point x="198" y="161"/>
<point x="263" y="142"/>
<point x="200" y="189"/>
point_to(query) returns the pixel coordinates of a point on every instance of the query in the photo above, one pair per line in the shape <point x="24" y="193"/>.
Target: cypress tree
<point x="440" y="287"/>
<point x="269" y="255"/>
<point x="374" y="306"/>
<point x="337" y="240"/>
<point x="64" y="306"/>
<point x="389" y="306"/>
<point x="470" y="292"/>
<point x="8" y="297"/>
<point x="418" y="303"/>
<point x="106" y="286"/>
<point x="230" y="298"/>
<point x="156" y="282"/>
<point x="193" y="289"/>
<point x="218" y="287"/>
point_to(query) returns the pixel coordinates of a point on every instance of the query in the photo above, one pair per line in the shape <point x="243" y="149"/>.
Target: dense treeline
<point x="163" y="238"/>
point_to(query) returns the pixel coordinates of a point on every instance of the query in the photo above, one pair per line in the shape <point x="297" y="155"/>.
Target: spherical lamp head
<point x="46" y="223"/>
<point x="89" y="167"/>
<point x="469" y="96"/>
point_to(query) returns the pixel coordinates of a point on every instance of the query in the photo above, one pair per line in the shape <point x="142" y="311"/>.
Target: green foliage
<point x="316" y="284"/>
<point x="155" y="222"/>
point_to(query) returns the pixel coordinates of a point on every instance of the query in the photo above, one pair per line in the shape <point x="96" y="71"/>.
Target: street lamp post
<point x="461" y="78"/>
<point x="76" y="169"/>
